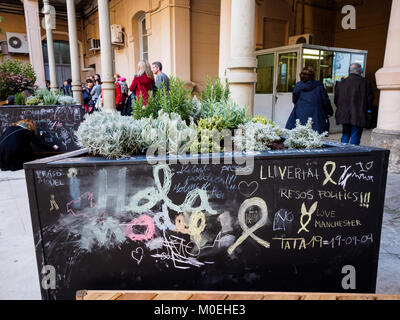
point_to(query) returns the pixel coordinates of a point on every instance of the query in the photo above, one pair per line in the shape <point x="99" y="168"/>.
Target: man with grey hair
<point x="161" y="77"/>
<point x="353" y="97"/>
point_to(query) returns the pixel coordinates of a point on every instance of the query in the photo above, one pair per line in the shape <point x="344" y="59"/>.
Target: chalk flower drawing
<point x="89" y="225"/>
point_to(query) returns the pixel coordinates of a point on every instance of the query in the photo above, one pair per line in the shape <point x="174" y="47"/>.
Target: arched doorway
<point x="63" y="61"/>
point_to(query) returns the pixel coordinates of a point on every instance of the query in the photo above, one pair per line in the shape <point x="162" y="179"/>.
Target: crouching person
<point x="15" y="145"/>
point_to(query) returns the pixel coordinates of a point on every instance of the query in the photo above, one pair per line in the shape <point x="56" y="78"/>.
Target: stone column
<point x="31" y="9"/>
<point x="50" y="45"/>
<point x="106" y="57"/>
<point x="242" y="75"/>
<point x="74" y="52"/>
<point x="224" y="38"/>
<point x="387" y="133"/>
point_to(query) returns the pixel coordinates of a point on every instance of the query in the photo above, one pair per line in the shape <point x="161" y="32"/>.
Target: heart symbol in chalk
<point x="137" y="254"/>
<point x="248" y="189"/>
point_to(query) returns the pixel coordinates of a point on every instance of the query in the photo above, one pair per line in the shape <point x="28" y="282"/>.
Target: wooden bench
<point x="222" y="295"/>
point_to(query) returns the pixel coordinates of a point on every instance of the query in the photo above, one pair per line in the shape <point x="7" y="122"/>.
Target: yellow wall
<point x="16" y="23"/>
<point x="168" y="29"/>
<point x="372" y="18"/>
<point x="13" y="23"/>
<point x="205" y="19"/>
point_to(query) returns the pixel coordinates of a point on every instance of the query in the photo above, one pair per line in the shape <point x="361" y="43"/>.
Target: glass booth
<point x="278" y="70"/>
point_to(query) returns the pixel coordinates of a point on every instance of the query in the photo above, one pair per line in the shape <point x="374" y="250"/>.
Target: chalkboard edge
<point x="338" y="149"/>
<point x="36" y="227"/>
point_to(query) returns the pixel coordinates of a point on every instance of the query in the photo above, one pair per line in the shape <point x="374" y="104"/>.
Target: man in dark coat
<point x="353" y="97"/>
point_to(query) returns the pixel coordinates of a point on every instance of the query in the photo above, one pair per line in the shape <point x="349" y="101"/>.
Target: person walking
<point x="67" y="88"/>
<point x="95" y="93"/>
<point x="161" y="77"/>
<point x="310" y="101"/>
<point x="142" y="83"/>
<point x="353" y="97"/>
<point x="15" y="145"/>
<point x="124" y="92"/>
<point x="86" y="96"/>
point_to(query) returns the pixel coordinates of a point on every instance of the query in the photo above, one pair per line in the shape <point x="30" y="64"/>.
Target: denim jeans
<point x="351" y="134"/>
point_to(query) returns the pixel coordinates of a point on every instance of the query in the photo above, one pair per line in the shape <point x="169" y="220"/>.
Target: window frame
<point x="142" y="34"/>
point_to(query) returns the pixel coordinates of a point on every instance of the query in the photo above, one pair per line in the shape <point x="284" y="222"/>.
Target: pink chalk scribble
<point x="143" y="220"/>
<point x="88" y="196"/>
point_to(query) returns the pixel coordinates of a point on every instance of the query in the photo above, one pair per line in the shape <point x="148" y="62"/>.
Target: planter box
<point x="302" y="221"/>
<point x="55" y="124"/>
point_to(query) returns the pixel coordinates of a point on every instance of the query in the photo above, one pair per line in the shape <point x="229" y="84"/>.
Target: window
<point x="287" y="68"/>
<point x="311" y="58"/>
<point x="342" y="64"/>
<point x="326" y="70"/>
<point x="61" y="52"/>
<point x="144" y="46"/>
<point x="265" y="74"/>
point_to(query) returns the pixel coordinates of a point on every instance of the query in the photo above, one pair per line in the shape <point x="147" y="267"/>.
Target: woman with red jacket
<point x="143" y="81"/>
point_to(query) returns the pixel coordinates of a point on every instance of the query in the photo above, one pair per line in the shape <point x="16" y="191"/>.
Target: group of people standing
<point x="149" y="78"/>
<point x="353" y="97"/>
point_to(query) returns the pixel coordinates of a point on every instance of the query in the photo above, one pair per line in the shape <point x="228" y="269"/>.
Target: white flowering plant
<point x="111" y="135"/>
<point x="115" y="136"/>
<point x="257" y="136"/>
<point x="303" y="137"/>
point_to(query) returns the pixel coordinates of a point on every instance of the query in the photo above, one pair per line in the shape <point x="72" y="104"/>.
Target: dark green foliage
<point x="177" y="100"/>
<point x="20" y="99"/>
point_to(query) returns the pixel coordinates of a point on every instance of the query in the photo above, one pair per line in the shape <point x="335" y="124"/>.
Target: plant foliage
<point x="302" y="137"/>
<point x="177" y="100"/>
<point x="16" y="77"/>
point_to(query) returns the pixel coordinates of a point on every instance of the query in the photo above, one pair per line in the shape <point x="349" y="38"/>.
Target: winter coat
<point x="16" y="149"/>
<point x="86" y="96"/>
<point x="67" y="90"/>
<point x="141" y="86"/>
<point x="310" y="101"/>
<point x="127" y="110"/>
<point x="353" y="97"/>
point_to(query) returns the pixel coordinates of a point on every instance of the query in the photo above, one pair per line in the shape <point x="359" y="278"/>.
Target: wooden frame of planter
<point x="55" y="124"/>
<point x="301" y="221"/>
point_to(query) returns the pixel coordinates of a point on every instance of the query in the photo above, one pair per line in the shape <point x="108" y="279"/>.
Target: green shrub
<point x="50" y="100"/>
<point x="232" y="114"/>
<point x="177" y="100"/>
<point x="20" y="99"/>
<point x="33" y="101"/>
<point x="16" y="77"/>
<point x="215" y="91"/>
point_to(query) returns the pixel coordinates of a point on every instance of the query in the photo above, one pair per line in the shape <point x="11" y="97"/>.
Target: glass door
<point x="286" y="77"/>
<point x="264" y="96"/>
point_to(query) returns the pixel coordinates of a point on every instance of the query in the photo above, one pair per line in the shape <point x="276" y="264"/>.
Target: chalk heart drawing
<point x="137" y="254"/>
<point x="248" y="189"/>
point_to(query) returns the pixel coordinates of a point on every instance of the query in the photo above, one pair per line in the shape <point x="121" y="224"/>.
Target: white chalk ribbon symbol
<point x="250" y="231"/>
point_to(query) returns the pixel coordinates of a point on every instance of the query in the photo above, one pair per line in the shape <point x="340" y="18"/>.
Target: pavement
<point x="18" y="270"/>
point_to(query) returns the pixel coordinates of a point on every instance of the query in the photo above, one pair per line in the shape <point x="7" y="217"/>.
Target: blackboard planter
<point x="302" y="221"/>
<point x="56" y="124"/>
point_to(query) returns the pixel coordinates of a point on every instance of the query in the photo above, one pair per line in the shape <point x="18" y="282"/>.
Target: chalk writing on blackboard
<point x="206" y="221"/>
